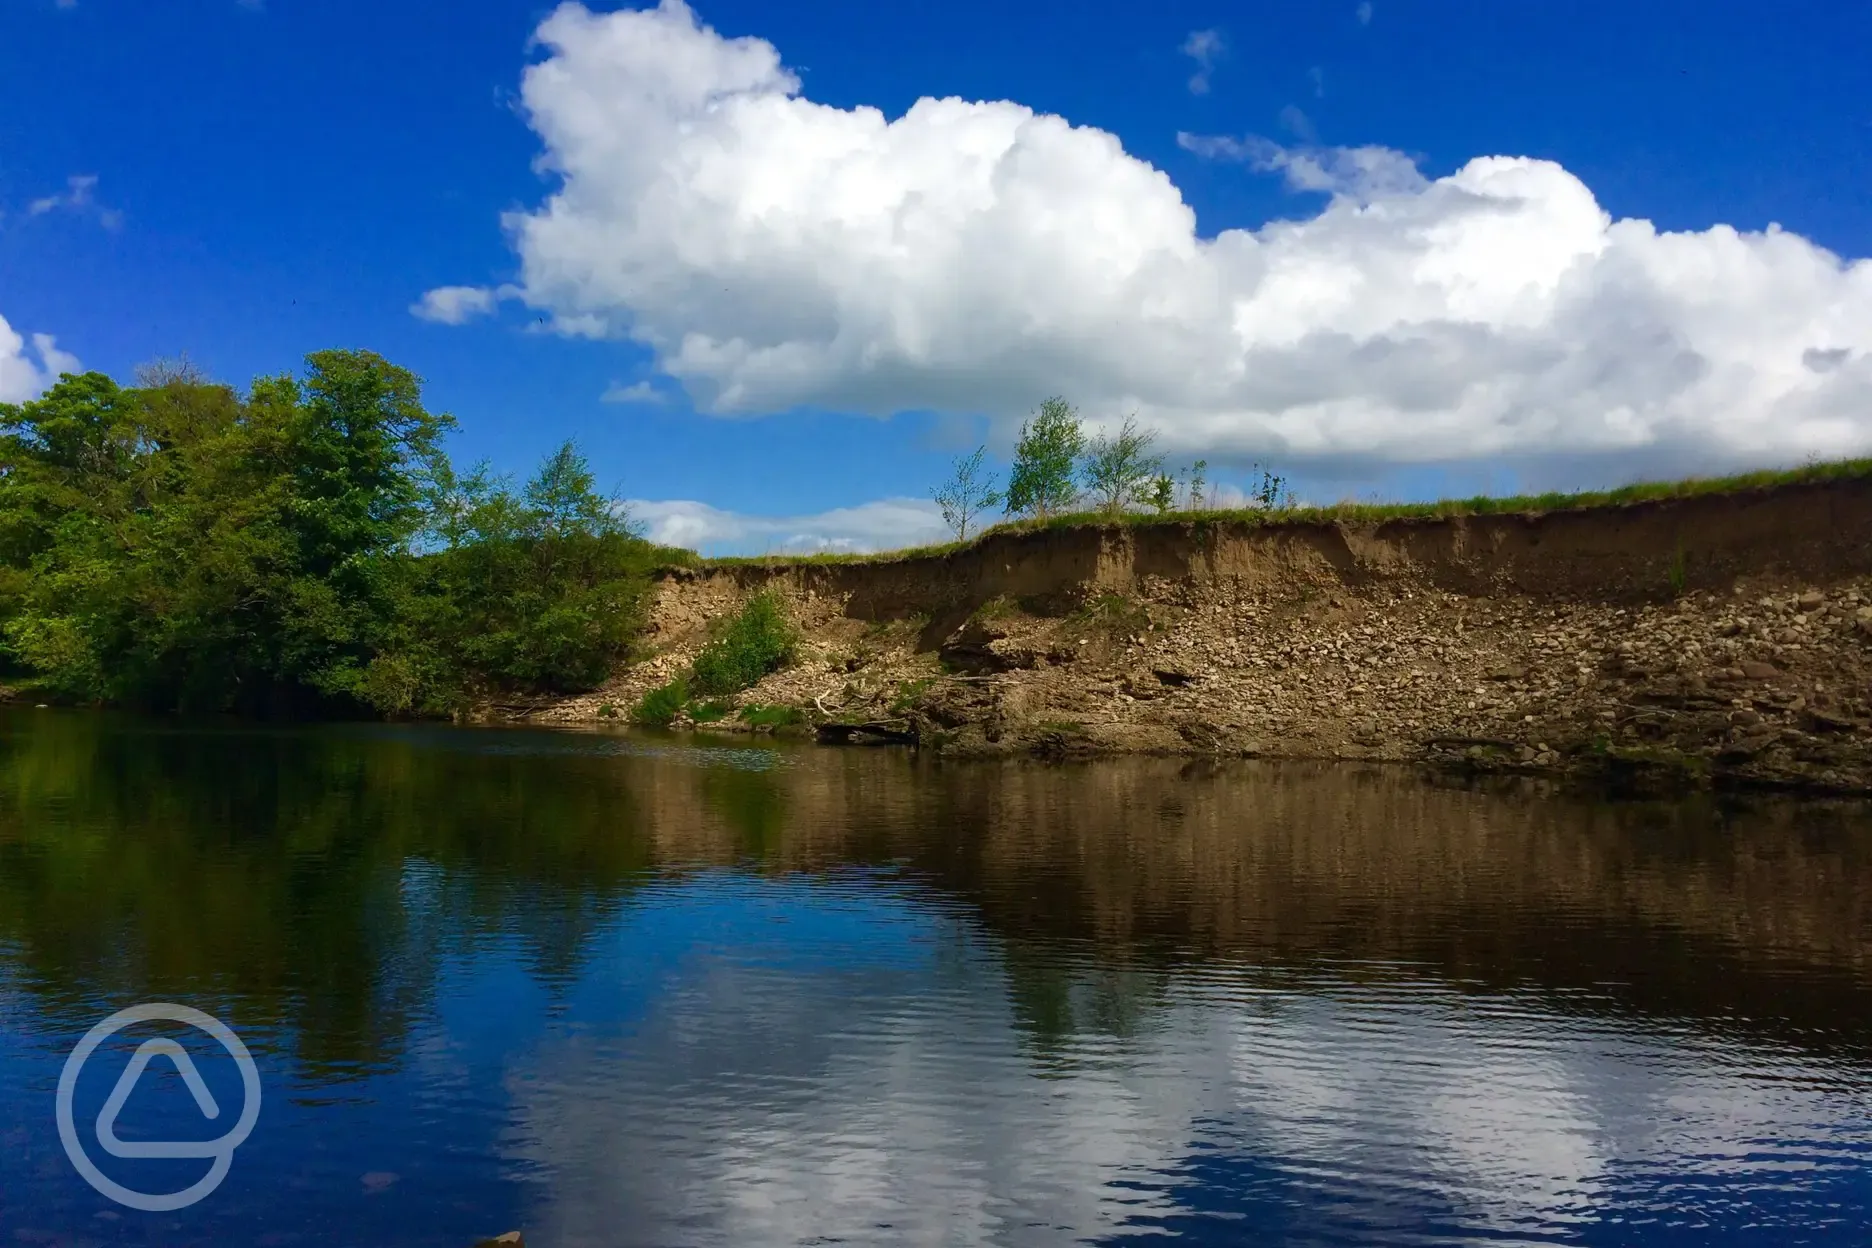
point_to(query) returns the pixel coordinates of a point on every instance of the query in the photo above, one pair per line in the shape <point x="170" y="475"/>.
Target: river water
<point x="622" y="990"/>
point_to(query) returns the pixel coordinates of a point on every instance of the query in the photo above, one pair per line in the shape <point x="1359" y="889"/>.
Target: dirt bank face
<point x="1723" y="637"/>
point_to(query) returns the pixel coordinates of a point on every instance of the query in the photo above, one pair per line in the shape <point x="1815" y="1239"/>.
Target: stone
<point x="1815" y="720"/>
<point x="512" y="1239"/>
<point x="1754" y="670"/>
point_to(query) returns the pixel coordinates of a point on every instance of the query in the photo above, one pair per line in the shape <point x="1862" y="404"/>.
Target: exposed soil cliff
<point x="1716" y="637"/>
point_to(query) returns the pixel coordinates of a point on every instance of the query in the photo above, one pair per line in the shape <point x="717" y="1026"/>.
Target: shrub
<point x="908" y="694"/>
<point x="1111" y="613"/>
<point x="661" y="705"/>
<point x="772" y="716"/>
<point x="757" y="641"/>
<point x="1000" y="607"/>
<point x="709" y="712"/>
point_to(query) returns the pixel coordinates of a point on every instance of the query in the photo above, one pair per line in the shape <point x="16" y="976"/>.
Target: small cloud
<point x="79" y="196"/>
<point x="1205" y="47"/>
<point x="1298" y="124"/>
<point x="453" y="305"/>
<point x="1825" y="360"/>
<point x="636" y="392"/>
<point x="1364" y="12"/>
<point x="884" y="524"/>
<point x="1317" y="77"/>
<point x="1360" y="173"/>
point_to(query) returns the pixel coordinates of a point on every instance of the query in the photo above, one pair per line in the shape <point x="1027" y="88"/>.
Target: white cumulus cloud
<point x="640" y="392"/>
<point x="25" y="371"/>
<point x="886" y="524"/>
<point x="454" y="305"/>
<point x="976" y="257"/>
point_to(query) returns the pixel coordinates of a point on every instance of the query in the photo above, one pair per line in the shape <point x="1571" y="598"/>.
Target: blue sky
<point x="259" y="180"/>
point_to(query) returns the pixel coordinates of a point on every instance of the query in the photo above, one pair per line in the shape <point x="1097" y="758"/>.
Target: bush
<point x="908" y="693"/>
<point x="772" y="716"/>
<point x="661" y="705"/>
<point x="709" y="712"/>
<point x="757" y="641"/>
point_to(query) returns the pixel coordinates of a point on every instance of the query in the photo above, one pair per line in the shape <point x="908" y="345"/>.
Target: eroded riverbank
<point x="1715" y="639"/>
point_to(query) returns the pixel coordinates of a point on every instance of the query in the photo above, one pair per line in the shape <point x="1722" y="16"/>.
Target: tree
<point x="537" y="588"/>
<point x="1118" y="468"/>
<point x="967" y="493"/>
<point x="1197" y="497"/>
<point x="301" y="549"/>
<point x="565" y="499"/>
<point x="1041" y="482"/>
<point x="1162" y="493"/>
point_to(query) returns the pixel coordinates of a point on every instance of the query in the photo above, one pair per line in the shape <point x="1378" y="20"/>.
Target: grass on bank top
<point x="1348" y="512"/>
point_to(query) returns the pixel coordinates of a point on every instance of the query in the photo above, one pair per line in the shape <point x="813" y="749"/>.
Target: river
<point x="620" y="990"/>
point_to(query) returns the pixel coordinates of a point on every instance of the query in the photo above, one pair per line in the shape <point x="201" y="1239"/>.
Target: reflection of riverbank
<point x="1759" y="912"/>
<point x="146" y="859"/>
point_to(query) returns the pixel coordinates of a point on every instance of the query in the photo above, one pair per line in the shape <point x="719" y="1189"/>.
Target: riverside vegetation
<point x="305" y="548"/>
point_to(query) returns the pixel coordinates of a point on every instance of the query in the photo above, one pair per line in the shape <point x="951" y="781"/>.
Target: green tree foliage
<point x="1119" y="468"/>
<point x="303" y="548"/>
<point x="967" y="493"/>
<point x="1041" y="482"/>
<point x="541" y="589"/>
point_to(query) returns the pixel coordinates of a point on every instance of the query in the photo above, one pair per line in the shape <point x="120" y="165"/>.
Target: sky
<point x="774" y="267"/>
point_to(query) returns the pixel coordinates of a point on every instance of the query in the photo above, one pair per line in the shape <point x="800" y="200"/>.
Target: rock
<point x="1754" y="670"/>
<point x="1810" y="600"/>
<point x="1141" y="685"/>
<point x="512" y="1239"/>
<point x="1815" y="720"/>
